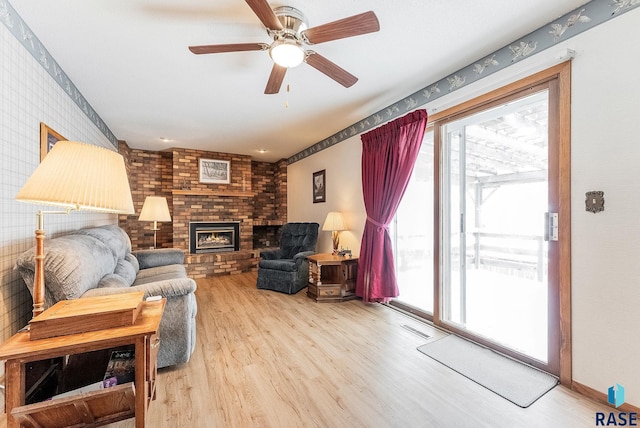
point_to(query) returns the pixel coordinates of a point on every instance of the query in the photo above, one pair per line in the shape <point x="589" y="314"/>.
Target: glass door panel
<point x="494" y="188"/>
<point x="412" y="234"/>
<point x="453" y="294"/>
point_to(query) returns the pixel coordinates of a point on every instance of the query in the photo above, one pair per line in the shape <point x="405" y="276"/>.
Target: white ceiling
<point x="129" y="58"/>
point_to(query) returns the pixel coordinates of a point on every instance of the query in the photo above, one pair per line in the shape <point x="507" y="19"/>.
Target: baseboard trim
<point x="601" y="397"/>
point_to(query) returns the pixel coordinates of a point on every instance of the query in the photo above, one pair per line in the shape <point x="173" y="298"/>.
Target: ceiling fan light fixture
<point x="286" y="53"/>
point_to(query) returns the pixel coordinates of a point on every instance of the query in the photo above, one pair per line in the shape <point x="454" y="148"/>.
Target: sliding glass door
<point x="482" y="236"/>
<point x="494" y="188"/>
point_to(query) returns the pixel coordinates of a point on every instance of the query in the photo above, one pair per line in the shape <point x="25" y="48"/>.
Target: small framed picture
<point x="319" y="187"/>
<point x="48" y="138"/>
<point x="215" y="171"/>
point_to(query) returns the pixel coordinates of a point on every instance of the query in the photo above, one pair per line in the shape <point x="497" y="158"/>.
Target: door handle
<point x="550" y="226"/>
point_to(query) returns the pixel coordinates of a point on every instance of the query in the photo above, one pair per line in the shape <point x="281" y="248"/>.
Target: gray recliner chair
<point x="287" y="270"/>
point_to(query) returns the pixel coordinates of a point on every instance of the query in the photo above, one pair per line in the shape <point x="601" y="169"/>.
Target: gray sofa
<point x="98" y="261"/>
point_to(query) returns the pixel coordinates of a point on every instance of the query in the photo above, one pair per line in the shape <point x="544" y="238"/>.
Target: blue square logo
<point x="615" y="395"/>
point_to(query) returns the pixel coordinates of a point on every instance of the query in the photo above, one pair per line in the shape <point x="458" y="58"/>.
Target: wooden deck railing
<point x="517" y="252"/>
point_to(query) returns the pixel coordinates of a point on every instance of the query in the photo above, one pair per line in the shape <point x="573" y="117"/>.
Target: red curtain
<point x="388" y="156"/>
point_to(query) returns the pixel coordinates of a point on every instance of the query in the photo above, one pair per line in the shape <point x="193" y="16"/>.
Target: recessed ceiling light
<point x="165" y="139"/>
<point x="262" y="150"/>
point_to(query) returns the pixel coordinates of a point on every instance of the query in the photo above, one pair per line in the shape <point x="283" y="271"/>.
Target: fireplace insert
<point x="210" y="237"/>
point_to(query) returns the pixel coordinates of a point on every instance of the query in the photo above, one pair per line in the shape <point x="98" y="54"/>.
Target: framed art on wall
<point x="215" y="171"/>
<point x="319" y="186"/>
<point x="48" y="138"/>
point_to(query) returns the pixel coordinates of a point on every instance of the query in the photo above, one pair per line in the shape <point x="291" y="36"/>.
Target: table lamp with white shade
<point x="334" y="223"/>
<point x="74" y="176"/>
<point x="155" y="209"/>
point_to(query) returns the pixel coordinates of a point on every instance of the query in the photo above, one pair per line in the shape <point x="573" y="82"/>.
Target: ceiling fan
<point x="287" y="27"/>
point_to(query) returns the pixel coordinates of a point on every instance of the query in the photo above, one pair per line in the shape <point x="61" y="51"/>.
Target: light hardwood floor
<point x="265" y="359"/>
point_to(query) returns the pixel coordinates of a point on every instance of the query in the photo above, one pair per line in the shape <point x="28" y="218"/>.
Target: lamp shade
<point x="80" y="176"/>
<point x="334" y="221"/>
<point x="155" y="208"/>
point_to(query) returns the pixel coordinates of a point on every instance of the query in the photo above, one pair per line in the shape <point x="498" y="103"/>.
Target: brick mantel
<point x="213" y="193"/>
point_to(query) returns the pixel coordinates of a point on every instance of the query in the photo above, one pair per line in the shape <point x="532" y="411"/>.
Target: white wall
<point x="605" y="156"/>
<point x="606" y="246"/>
<point x="343" y="192"/>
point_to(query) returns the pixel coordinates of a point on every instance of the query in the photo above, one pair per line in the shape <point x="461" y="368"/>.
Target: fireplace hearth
<point x="213" y="237"/>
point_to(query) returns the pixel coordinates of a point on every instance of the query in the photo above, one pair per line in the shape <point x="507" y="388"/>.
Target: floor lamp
<point x="155" y="209"/>
<point x="74" y="176"/>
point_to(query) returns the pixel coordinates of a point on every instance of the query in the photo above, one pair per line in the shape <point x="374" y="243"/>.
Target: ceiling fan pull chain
<point x="286" y="104"/>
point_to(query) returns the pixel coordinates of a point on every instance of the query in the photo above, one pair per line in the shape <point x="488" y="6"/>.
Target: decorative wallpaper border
<point x="573" y="23"/>
<point x="23" y="33"/>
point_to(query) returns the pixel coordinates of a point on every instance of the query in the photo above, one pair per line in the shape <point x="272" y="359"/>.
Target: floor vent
<point x="417" y="332"/>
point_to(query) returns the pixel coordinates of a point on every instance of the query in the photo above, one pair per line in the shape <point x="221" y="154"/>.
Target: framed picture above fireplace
<point x="215" y="171"/>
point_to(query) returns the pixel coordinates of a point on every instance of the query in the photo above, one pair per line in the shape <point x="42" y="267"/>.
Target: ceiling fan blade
<point x="355" y="25"/>
<point x="234" y="47"/>
<point x="327" y="67"/>
<point x="264" y="12"/>
<point x="275" y="79"/>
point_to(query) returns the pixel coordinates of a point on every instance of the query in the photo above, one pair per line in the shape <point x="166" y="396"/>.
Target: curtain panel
<point x="388" y="156"/>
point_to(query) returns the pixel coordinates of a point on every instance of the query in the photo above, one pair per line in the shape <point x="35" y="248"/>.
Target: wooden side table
<point x="332" y="278"/>
<point x="91" y="408"/>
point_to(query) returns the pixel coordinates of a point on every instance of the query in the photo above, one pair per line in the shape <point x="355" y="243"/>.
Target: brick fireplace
<point x="254" y="200"/>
